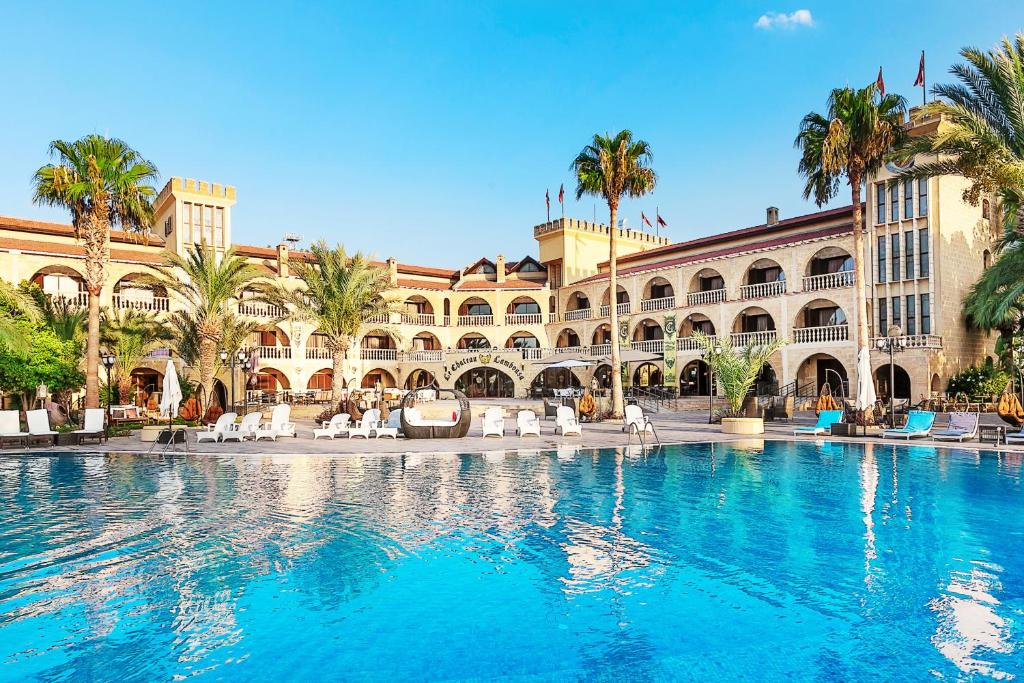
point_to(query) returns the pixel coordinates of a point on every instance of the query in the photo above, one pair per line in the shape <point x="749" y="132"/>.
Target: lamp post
<point x="893" y="343"/>
<point x="108" y="362"/>
<point x="711" y="383"/>
<point x="246" y="366"/>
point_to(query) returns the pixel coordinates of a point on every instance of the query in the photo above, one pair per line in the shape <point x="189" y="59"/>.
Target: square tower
<point x="189" y="212"/>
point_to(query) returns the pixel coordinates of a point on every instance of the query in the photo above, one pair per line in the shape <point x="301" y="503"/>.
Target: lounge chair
<point x="527" y="422"/>
<point x="1015" y="437"/>
<point x="333" y="427"/>
<point x="493" y="423"/>
<point x="961" y="426"/>
<point x="246" y="429"/>
<point x="826" y="419"/>
<point x="371" y="420"/>
<point x="919" y="425"/>
<point x="10" y="429"/>
<point x="634" y="418"/>
<point x="280" y="420"/>
<point x="92" y="426"/>
<point x="215" y="431"/>
<point x="39" y="428"/>
<point x="567" y="422"/>
<point x="390" y="428"/>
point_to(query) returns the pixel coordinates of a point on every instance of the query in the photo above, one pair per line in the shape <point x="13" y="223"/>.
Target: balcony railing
<point x="381" y="319"/>
<point x="690" y="344"/>
<point x="378" y="354"/>
<point x="843" y="278"/>
<point x="318" y="353"/>
<point x="72" y="298"/>
<point x="425" y="355"/>
<point x="662" y="304"/>
<point x="154" y="303"/>
<point x="821" y="335"/>
<point x="524" y="318"/>
<point x="763" y="289"/>
<point x="578" y="314"/>
<point x="743" y="339"/>
<point x="650" y="345"/>
<point x="418" y="318"/>
<point x="711" y="296"/>
<point x="569" y="349"/>
<point x="446" y="320"/>
<point x="915" y="341"/>
<point x="475" y="320"/>
<point x="552" y="317"/>
<point x="600" y="349"/>
<point x="620" y="309"/>
<point x="260" y="310"/>
<point x="531" y="353"/>
<point x="274" y="352"/>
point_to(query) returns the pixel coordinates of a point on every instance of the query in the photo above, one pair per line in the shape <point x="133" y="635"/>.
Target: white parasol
<point x="865" y="383"/>
<point x="171" y="397"/>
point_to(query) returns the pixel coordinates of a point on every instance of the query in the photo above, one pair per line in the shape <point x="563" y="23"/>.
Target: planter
<point x="742" y="425"/>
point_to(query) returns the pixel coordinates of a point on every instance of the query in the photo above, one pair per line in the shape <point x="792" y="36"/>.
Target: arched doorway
<point x="485" y="382"/>
<point x="695" y="379"/>
<point x="386" y="379"/>
<point x="899" y="376"/>
<point x="820" y="368"/>
<point x="270" y="379"/>
<point x="473" y="340"/>
<point x="321" y="380"/>
<point x="553" y="378"/>
<point x="603" y="375"/>
<point x="420" y="378"/>
<point x="647" y="375"/>
<point x="148" y="385"/>
<point x="766" y="384"/>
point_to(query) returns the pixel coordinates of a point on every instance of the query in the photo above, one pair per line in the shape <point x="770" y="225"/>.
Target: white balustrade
<point x="650" y="345"/>
<point x="821" y="335"/>
<point x="843" y="278"/>
<point x="742" y="339"/>
<point x="418" y="318"/>
<point x="447" y="321"/>
<point x="318" y="353"/>
<point x="578" y="314"/>
<point x="569" y="349"/>
<point x="711" y="296"/>
<point x="620" y="309"/>
<point x="475" y="320"/>
<point x="260" y="310"/>
<point x="524" y="318"/>
<point x="552" y="317"/>
<point x="71" y="298"/>
<point x="378" y="354"/>
<point x="661" y="304"/>
<point x="763" y="289"/>
<point x="600" y="349"/>
<point x="690" y="344"/>
<point x="274" y="352"/>
<point x="380" y="319"/>
<point x="913" y="341"/>
<point x="532" y="353"/>
<point x="425" y="356"/>
<point x="152" y="303"/>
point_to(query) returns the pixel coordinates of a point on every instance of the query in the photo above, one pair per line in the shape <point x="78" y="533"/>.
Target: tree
<point x="103" y="183"/>
<point x="735" y="370"/>
<point x="130" y="336"/>
<point x="66" y="318"/>
<point x="852" y="141"/>
<point x="45" y="359"/>
<point x="338" y="296"/>
<point x="613" y="168"/>
<point x="208" y="284"/>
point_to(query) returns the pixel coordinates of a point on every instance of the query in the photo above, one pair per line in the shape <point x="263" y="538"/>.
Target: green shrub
<point x="978" y="380"/>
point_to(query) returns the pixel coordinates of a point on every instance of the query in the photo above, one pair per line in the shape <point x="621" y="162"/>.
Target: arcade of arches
<point x="485" y="383"/>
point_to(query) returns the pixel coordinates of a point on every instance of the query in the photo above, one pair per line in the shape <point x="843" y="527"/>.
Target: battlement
<point x="578" y="225"/>
<point x="195" y="187"/>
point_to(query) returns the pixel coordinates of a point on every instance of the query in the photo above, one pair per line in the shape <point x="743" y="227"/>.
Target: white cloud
<point x="771" y="20"/>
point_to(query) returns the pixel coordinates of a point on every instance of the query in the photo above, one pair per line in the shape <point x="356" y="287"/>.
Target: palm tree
<point x="130" y="336"/>
<point x="103" y="183"/>
<point x="67" y="319"/>
<point x="613" y="168"/>
<point x="15" y="301"/>
<point x="208" y="284"/>
<point x="853" y="140"/>
<point x="339" y="295"/>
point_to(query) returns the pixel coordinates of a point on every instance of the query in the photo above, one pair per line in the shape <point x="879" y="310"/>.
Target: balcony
<point x="155" y="303"/>
<point x="524" y="318"/>
<point x="381" y="319"/>
<point x="821" y="335"/>
<point x="600" y="349"/>
<point x="711" y="296"/>
<point x="318" y="353"/>
<point x="71" y="298"/>
<point x="425" y="356"/>
<point x="578" y="314"/>
<point x="649" y="345"/>
<point x="274" y="352"/>
<point x="814" y="283"/>
<point x="475" y="320"/>
<point x="569" y="349"/>
<point x="531" y="353"/>
<point x="378" y="354"/>
<point x="260" y="310"/>
<point x="662" y="304"/>
<point x="744" y="339"/>
<point x="418" y="318"/>
<point x="620" y="309"/>
<point x="914" y="341"/>
<point x="690" y="344"/>
<point x="552" y="317"/>
<point x="763" y="289"/>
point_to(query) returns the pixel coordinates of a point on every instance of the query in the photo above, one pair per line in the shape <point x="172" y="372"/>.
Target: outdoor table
<point x="994" y="433"/>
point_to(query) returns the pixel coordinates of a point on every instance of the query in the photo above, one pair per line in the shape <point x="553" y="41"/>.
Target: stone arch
<point x="657" y="285"/>
<point x="753" y="319"/>
<point x="578" y="301"/>
<point x="475" y="306"/>
<point x="321" y="380"/>
<point x="647" y="375"/>
<point x="648" y="329"/>
<point x="474" y="340"/>
<point x="371" y="377"/>
<point x="764" y="270"/>
<point x="523" y="305"/>
<point x="522" y="340"/>
<point x="270" y="379"/>
<point x="830" y="259"/>
<point x="602" y="334"/>
<point x="817" y="369"/>
<point x="820" y="321"/>
<point x="706" y="280"/>
<point x="901" y="381"/>
<point x="695" y="379"/>
<point x="132" y="292"/>
<point x="485" y="382"/>
<point x="697" y="322"/>
<point x="62" y="282"/>
<point x="621" y="295"/>
<point x="567" y="338"/>
<point x="424" y="341"/>
<point x="420" y="378"/>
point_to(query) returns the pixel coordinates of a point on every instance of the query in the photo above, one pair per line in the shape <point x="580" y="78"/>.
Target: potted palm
<point x="735" y="371"/>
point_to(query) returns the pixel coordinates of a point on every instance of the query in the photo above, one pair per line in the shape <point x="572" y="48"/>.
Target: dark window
<point x="922" y="251"/>
<point x="881" y="258"/>
<point x="911" y="315"/>
<point x="529" y="267"/>
<point x="908" y="198"/>
<point x="824" y="317"/>
<point x="894" y="202"/>
<point x="908" y="256"/>
<point x="478" y="309"/>
<point x="712" y="283"/>
<point x="895" y="256"/>
<point x="880" y="203"/>
<point x="883" y="318"/>
<point x="896" y="318"/>
<point x="926" y="314"/>
<point x="659" y="291"/>
<point x="525" y="307"/>
<point x="922" y="197"/>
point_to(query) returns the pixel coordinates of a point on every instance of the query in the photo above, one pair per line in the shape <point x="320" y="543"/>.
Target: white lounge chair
<point x="333" y="427"/>
<point x="246" y="429"/>
<point x="215" y="431"/>
<point x="371" y="420"/>
<point x="634" y="419"/>
<point x="493" y="422"/>
<point x="391" y="427"/>
<point x="39" y="427"/>
<point x="10" y="428"/>
<point x="279" y="425"/>
<point x="565" y="419"/>
<point x="92" y="426"/>
<point x="961" y="426"/>
<point x="527" y="422"/>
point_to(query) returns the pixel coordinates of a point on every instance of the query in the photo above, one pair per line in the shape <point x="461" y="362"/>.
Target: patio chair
<point x="246" y="429"/>
<point x="919" y="425"/>
<point x="10" y="429"/>
<point x="634" y="419"/>
<point x="527" y="422"/>
<point x="826" y="419"/>
<point x="39" y="428"/>
<point x="493" y="423"/>
<point x="92" y="426"/>
<point x="215" y="432"/>
<point x="280" y="420"/>
<point x="333" y="427"/>
<point x="371" y="420"/>
<point x="567" y="422"/>
<point x="391" y="427"/>
<point x="961" y="426"/>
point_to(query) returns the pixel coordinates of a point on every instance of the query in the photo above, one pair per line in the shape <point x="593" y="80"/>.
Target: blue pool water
<point x="701" y="562"/>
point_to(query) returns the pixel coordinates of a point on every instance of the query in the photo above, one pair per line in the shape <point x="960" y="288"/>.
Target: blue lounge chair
<point x="919" y="425"/>
<point x="826" y="419"/>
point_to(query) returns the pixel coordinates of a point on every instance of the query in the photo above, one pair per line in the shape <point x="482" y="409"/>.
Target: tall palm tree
<point x="130" y="336"/>
<point x="103" y="183"/>
<point x="339" y="295"/>
<point x="208" y="284"/>
<point x="614" y="167"/>
<point x="853" y="140"/>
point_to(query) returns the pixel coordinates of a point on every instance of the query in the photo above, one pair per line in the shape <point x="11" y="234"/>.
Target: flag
<point x="561" y="194"/>
<point x="661" y="222"/>
<point x="880" y="83"/>
<point x="643" y="217"/>
<point x="547" y="199"/>
<point x="920" y="72"/>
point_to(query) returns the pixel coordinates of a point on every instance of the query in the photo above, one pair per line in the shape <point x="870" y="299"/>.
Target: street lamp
<point x="894" y="342"/>
<point x="108" y="362"/>
<point x="711" y="382"/>
<point x="246" y="366"/>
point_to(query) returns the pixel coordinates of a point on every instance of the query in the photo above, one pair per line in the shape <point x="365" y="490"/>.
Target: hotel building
<point x="482" y="328"/>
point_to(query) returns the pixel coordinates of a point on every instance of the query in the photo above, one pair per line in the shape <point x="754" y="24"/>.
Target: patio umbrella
<point x="865" y="385"/>
<point x="172" y="393"/>
<point x="631" y="356"/>
<point x="571" y="363"/>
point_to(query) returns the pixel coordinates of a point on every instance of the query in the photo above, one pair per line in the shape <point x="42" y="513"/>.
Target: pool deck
<point x="683" y="427"/>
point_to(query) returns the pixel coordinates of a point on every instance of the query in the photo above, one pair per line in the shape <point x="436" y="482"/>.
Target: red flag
<point x="661" y="222"/>
<point x="920" y="72"/>
<point x="561" y="194"/>
<point x="880" y="83"/>
<point x="643" y="217"/>
<point x="547" y="199"/>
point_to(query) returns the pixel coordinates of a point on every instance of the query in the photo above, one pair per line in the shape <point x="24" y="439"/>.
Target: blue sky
<point x="430" y="131"/>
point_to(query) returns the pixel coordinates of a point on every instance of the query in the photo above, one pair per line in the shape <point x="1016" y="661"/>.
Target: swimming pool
<point x="822" y="561"/>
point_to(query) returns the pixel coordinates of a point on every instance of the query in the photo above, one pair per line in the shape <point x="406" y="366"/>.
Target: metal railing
<point x="843" y="278"/>
<point x="524" y="318"/>
<point x="743" y="339"/>
<point x="154" y="303"/>
<point x="821" y="335"/>
<point x="662" y="304"/>
<point x="578" y="314"/>
<point x="710" y="296"/>
<point x="763" y="289"/>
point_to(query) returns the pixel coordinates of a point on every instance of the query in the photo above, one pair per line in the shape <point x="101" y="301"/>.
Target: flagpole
<point x="657" y="223"/>
<point x="924" y="82"/>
